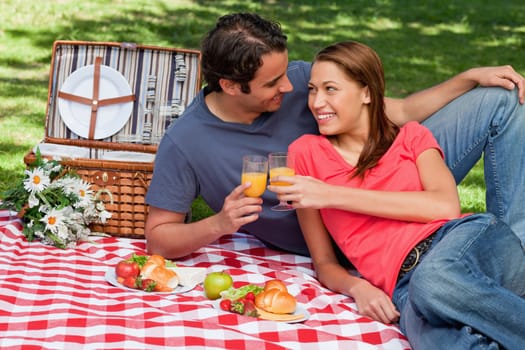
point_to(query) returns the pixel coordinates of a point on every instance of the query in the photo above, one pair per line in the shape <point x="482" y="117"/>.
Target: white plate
<point x="128" y="156"/>
<point x="111" y="277"/>
<point x="299" y="309"/>
<point x="111" y="118"/>
<point x="62" y="151"/>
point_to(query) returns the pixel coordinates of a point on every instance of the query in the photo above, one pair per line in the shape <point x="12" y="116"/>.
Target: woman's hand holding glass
<point x="279" y="164"/>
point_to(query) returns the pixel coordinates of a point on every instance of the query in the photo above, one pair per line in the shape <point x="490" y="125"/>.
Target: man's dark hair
<point x="234" y="48"/>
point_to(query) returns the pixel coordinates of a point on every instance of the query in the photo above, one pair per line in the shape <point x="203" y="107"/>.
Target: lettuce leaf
<point x="237" y="293"/>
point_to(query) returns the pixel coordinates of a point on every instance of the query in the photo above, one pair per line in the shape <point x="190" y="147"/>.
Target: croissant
<point x="166" y="279"/>
<point x="277" y="284"/>
<point x="276" y="300"/>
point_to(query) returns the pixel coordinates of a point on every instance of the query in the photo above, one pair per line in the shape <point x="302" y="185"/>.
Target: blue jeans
<point x="468" y="292"/>
<point x="488" y="122"/>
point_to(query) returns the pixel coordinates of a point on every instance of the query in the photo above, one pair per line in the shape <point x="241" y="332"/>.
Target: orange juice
<point x="281" y="171"/>
<point x="258" y="186"/>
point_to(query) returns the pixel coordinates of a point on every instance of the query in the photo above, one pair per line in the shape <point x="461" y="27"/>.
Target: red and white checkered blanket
<point x="59" y="299"/>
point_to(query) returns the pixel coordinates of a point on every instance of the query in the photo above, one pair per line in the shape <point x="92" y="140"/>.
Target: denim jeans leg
<point x="488" y="122"/>
<point x="468" y="292"/>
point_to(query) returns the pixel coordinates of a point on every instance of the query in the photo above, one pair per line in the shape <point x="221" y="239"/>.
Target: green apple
<point x="215" y="283"/>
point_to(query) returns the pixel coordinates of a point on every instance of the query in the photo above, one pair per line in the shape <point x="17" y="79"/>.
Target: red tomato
<point x="250" y="296"/>
<point x="127" y="268"/>
<point x="250" y="309"/>
<point x="130" y="282"/>
<point x="148" y="285"/>
<point x="225" y="304"/>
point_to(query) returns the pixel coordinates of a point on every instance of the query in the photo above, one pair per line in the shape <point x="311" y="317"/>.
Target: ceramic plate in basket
<point x="128" y="156"/>
<point x="300" y="314"/>
<point x="61" y="151"/>
<point x="111" y="277"/>
<point x="110" y="118"/>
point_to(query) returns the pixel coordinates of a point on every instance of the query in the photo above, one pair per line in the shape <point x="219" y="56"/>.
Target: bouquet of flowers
<point x="56" y="205"/>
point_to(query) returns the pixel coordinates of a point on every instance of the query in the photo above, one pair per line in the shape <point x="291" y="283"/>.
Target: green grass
<point x="421" y="43"/>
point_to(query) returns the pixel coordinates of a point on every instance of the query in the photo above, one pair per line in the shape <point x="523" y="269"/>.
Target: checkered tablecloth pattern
<point x="59" y="299"/>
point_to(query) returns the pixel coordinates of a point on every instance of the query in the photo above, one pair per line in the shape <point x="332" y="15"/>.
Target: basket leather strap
<point x="101" y="103"/>
<point x="114" y="100"/>
<point x="74" y="98"/>
<point x="95" y="102"/>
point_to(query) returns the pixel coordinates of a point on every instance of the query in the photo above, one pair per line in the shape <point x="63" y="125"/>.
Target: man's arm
<point x="168" y="235"/>
<point x="420" y="105"/>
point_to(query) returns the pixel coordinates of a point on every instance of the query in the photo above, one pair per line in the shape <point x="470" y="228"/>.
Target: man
<point x="255" y="102"/>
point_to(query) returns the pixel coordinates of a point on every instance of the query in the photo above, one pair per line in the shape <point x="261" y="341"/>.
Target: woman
<point x="451" y="280"/>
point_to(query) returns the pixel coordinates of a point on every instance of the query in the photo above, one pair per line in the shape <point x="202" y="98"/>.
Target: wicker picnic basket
<point x="108" y="106"/>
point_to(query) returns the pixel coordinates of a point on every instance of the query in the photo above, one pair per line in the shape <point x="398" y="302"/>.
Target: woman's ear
<point x="365" y="96"/>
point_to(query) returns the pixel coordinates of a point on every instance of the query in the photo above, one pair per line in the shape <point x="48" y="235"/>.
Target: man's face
<point x="269" y="84"/>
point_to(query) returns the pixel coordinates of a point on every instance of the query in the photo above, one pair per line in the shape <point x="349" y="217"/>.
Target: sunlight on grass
<point x="472" y="199"/>
<point x="419" y="47"/>
<point x="456" y="28"/>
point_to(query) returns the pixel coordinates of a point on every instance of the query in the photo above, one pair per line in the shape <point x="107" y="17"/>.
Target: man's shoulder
<point x="189" y="118"/>
<point x="299" y="68"/>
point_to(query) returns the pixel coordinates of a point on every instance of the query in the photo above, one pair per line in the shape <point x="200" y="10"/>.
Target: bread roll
<point x="276" y="301"/>
<point x="157" y="259"/>
<point x="277" y="284"/>
<point x="166" y="279"/>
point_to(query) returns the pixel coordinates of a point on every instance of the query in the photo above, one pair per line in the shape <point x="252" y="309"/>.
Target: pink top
<point x="376" y="246"/>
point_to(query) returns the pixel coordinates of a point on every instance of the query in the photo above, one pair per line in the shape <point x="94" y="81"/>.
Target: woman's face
<point x="338" y="103"/>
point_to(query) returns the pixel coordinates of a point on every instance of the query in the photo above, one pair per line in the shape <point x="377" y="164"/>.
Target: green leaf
<point x="238" y="293"/>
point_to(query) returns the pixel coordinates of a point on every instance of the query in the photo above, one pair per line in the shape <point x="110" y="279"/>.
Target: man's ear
<point x="229" y="86"/>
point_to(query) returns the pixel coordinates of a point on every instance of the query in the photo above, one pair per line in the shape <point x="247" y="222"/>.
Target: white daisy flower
<point x="67" y="184"/>
<point x="37" y="180"/>
<point x="104" y="215"/>
<point x="61" y="227"/>
<point x="32" y="201"/>
<point x="63" y="231"/>
<point x="55" y="219"/>
<point x="85" y="194"/>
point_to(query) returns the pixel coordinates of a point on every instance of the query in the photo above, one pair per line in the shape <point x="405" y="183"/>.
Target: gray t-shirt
<point x="202" y="155"/>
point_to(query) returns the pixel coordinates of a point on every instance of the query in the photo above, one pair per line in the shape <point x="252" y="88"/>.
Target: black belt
<point x="414" y="257"/>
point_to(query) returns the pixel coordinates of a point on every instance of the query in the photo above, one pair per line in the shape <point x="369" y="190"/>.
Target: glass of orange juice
<point x="254" y="170"/>
<point x="279" y="164"/>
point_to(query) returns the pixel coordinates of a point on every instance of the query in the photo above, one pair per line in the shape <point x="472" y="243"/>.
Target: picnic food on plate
<point x="155" y="269"/>
<point x="275" y="298"/>
<point x="127" y="268"/>
<point x="240" y="300"/>
<point x="215" y="283"/>
<point x="149" y="274"/>
<point x="189" y="276"/>
<point x="271" y="302"/>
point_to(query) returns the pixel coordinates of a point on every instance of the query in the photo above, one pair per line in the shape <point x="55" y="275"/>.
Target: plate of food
<point x="111" y="277"/>
<point x="154" y="274"/>
<point x="300" y="314"/>
<point x="272" y="302"/>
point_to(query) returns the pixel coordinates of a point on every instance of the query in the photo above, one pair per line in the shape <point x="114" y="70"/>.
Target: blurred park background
<point x="421" y="43"/>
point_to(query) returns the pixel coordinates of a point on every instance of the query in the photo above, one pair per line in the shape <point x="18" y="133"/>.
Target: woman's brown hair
<point x="362" y="64"/>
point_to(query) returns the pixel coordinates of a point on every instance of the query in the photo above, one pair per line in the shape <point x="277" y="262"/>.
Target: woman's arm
<point x="438" y="200"/>
<point x="421" y="105"/>
<point x="370" y="301"/>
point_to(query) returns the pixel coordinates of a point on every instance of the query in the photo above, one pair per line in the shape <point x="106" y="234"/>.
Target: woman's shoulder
<point x="306" y="141"/>
<point x="415" y="129"/>
<point x="417" y="137"/>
